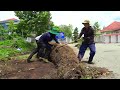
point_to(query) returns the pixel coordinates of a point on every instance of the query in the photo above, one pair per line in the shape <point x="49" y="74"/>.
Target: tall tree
<point x="67" y="30"/>
<point x="96" y="27"/>
<point x="33" y="21"/>
<point x="11" y="27"/>
<point x="75" y="34"/>
<point x="2" y="30"/>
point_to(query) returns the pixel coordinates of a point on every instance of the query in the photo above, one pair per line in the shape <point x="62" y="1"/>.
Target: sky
<point x="104" y="18"/>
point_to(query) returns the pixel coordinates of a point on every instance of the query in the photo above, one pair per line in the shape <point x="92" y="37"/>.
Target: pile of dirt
<point x="64" y="65"/>
<point x="68" y="66"/>
<point x="64" y="59"/>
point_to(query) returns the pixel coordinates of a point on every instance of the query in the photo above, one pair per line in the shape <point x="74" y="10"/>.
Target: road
<point x="107" y="55"/>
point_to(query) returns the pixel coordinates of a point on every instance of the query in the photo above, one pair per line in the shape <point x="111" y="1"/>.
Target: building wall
<point x="113" y="39"/>
<point x="97" y="39"/>
<point x="106" y="39"/>
<point x="118" y="38"/>
<point x="103" y="38"/>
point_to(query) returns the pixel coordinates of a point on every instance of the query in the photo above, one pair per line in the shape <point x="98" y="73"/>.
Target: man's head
<point x="54" y="31"/>
<point x="86" y="23"/>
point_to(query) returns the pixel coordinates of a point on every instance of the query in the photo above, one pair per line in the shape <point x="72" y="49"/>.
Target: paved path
<point x="107" y="55"/>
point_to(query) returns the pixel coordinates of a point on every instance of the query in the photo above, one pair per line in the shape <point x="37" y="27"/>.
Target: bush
<point x="8" y="48"/>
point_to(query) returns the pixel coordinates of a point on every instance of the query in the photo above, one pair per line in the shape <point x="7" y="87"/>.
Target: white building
<point x="111" y="33"/>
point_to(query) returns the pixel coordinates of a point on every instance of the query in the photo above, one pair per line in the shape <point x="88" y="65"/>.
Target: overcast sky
<point x="75" y="18"/>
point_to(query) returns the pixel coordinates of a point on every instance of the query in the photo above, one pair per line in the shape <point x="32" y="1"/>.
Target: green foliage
<point x="11" y="27"/>
<point x="2" y="32"/>
<point x="75" y="34"/>
<point x="8" y="37"/>
<point x="33" y="22"/>
<point x="66" y="29"/>
<point x="51" y="24"/>
<point x="10" y="33"/>
<point x="96" y="27"/>
<point x="8" y="48"/>
<point x="8" y="52"/>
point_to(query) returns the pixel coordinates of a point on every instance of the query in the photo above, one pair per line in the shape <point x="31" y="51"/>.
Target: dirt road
<point x="107" y="55"/>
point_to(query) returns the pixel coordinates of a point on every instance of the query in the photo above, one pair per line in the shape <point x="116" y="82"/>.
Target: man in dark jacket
<point x="88" y="41"/>
<point x="43" y="43"/>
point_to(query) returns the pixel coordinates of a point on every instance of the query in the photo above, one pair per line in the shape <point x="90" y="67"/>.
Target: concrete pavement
<point x="107" y="55"/>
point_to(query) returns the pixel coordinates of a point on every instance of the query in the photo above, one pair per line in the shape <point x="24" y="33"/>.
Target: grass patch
<point x="8" y="48"/>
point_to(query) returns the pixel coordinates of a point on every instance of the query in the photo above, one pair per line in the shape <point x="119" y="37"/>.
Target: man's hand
<point x="53" y="43"/>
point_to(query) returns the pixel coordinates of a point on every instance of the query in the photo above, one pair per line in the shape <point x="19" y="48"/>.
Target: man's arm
<point x="56" y="40"/>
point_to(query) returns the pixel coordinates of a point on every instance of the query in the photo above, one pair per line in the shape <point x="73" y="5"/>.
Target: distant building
<point x="111" y="33"/>
<point x="5" y="23"/>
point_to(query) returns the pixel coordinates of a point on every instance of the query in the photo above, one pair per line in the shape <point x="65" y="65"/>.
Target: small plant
<point x="9" y="48"/>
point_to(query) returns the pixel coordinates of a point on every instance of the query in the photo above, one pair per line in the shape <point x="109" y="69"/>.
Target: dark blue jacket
<point x="47" y="37"/>
<point x="88" y="35"/>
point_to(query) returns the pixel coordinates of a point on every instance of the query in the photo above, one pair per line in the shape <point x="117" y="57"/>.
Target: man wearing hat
<point x="43" y="43"/>
<point x="88" y="41"/>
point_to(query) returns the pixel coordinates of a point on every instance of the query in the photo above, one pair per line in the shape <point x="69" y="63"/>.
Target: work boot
<point x="90" y="62"/>
<point x="29" y="61"/>
<point x="37" y="56"/>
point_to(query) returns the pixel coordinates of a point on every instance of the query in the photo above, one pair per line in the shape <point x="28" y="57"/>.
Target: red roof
<point x="111" y="34"/>
<point x="112" y="27"/>
<point x="10" y="19"/>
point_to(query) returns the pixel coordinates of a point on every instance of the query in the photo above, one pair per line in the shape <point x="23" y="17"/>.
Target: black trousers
<point x="36" y="50"/>
<point x="43" y="50"/>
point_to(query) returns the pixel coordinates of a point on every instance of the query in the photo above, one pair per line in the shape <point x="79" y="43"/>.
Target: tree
<point x="2" y="32"/>
<point x="67" y="30"/>
<point x="36" y="22"/>
<point x="96" y="27"/>
<point x="22" y="28"/>
<point x="51" y="24"/>
<point x="11" y="27"/>
<point x="75" y="34"/>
